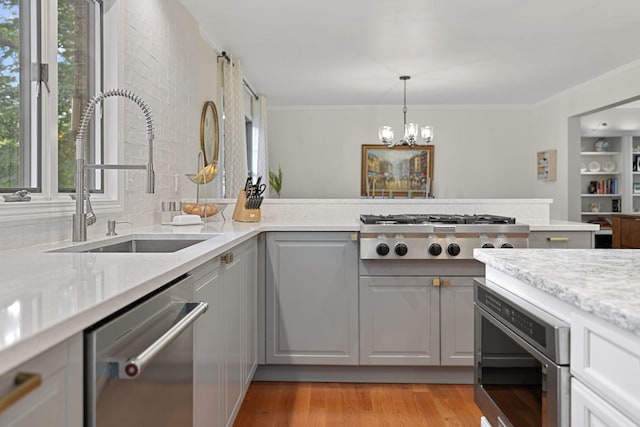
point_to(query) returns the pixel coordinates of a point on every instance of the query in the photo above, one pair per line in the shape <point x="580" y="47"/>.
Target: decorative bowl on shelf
<point x="583" y="167"/>
<point x="594" y="166"/>
<point x="204" y="210"/>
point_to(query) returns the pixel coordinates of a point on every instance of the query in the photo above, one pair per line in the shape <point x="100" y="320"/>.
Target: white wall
<point x="175" y="71"/>
<point x="479" y="153"/>
<point x="551" y="129"/>
<point x="162" y="58"/>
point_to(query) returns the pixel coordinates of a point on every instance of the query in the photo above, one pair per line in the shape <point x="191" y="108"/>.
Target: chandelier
<point x="411" y="130"/>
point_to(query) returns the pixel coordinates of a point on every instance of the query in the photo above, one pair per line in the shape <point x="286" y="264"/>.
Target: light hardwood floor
<point x="353" y="405"/>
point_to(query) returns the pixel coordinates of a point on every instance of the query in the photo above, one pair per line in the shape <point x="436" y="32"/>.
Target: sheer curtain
<point x="234" y="129"/>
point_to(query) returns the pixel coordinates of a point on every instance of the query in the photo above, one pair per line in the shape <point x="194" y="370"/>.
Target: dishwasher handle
<point x="133" y="367"/>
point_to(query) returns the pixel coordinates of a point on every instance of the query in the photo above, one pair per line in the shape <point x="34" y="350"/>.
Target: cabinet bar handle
<point x="446" y="282"/>
<point x="557" y="239"/>
<point x="436" y="282"/>
<point x="227" y="258"/>
<point x="25" y="382"/>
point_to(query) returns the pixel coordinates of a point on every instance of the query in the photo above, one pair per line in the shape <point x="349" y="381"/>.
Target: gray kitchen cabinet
<point x="456" y="321"/>
<point x="561" y="239"/>
<point x="250" y="330"/>
<point x="54" y="402"/>
<point x="311" y="298"/>
<point x="226" y="337"/>
<point x="416" y="320"/>
<point x="399" y="321"/>
<point x="208" y="366"/>
<point x="239" y="271"/>
<point x="233" y="312"/>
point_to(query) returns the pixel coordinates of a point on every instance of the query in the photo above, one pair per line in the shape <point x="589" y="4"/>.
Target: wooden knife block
<point x="241" y="213"/>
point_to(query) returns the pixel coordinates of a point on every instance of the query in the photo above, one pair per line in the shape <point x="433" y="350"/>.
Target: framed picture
<point x="401" y="171"/>
<point x="636" y="188"/>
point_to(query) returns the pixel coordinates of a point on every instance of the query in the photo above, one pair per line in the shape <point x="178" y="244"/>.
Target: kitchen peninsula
<point x="45" y="307"/>
<point x="596" y="292"/>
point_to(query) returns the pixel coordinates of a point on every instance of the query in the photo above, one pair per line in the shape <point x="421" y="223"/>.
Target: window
<point x="251" y="131"/>
<point x="27" y="82"/>
<point x="77" y="75"/>
<point x="15" y="56"/>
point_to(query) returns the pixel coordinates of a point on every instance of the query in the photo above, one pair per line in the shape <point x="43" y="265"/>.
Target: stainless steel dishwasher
<point x="139" y="362"/>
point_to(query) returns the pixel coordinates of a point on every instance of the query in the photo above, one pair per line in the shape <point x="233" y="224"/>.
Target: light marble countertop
<point x="559" y="225"/>
<point x="603" y="282"/>
<point x="46" y="298"/>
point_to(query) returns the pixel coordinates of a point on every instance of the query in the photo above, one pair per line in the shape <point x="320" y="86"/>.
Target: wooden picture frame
<point x="401" y="171"/>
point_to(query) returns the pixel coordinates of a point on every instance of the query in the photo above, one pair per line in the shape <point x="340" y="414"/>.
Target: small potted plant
<point x="275" y="181"/>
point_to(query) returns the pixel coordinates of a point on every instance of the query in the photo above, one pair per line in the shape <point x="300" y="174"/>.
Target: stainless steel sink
<point x="140" y="244"/>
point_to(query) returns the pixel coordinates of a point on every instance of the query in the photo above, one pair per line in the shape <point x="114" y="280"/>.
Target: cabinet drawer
<point x="44" y="404"/>
<point x="608" y="360"/>
<point x="588" y="409"/>
<point x="561" y="239"/>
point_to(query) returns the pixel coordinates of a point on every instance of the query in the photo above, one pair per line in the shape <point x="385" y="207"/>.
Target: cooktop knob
<point x="401" y="249"/>
<point x="506" y="246"/>
<point x="453" y="249"/>
<point x="488" y="246"/>
<point x="435" y="249"/>
<point x="382" y="249"/>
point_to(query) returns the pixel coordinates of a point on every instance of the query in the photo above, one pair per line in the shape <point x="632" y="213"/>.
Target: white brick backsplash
<point x="162" y="53"/>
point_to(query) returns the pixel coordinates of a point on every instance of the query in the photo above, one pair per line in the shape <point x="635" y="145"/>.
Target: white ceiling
<point x="351" y="52"/>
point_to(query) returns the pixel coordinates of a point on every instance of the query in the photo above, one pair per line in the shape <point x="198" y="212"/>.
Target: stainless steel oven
<point x="139" y="362"/>
<point x="521" y="360"/>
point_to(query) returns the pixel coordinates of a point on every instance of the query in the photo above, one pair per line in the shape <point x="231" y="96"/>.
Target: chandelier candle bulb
<point x="385" y="133"/>
<point x="411" y="131"/>
<point x="427" y="133"/>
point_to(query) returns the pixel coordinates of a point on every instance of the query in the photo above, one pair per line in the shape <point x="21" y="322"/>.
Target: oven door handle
<point x="131" y="368"/>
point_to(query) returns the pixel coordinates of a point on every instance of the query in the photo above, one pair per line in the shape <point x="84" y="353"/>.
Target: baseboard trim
<point x="367" y="374"/>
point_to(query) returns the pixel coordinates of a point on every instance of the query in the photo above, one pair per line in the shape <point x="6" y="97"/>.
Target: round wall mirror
<point x="209" y="133"/>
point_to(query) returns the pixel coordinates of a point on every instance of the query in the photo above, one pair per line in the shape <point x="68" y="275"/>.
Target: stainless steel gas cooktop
<point x="437" y="236"/>
<point x="436" y="219"/>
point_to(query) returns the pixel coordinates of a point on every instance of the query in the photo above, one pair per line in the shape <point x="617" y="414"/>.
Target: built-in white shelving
<point x="609" y="175"/>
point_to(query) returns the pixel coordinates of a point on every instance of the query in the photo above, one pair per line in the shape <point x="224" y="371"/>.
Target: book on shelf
<point x="604" y="186"/>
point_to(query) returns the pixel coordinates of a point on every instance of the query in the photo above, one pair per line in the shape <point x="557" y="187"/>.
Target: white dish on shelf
<point x="594" y="166"/>
<point x="583" y="167"/>
<point x="609" y="166"/>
